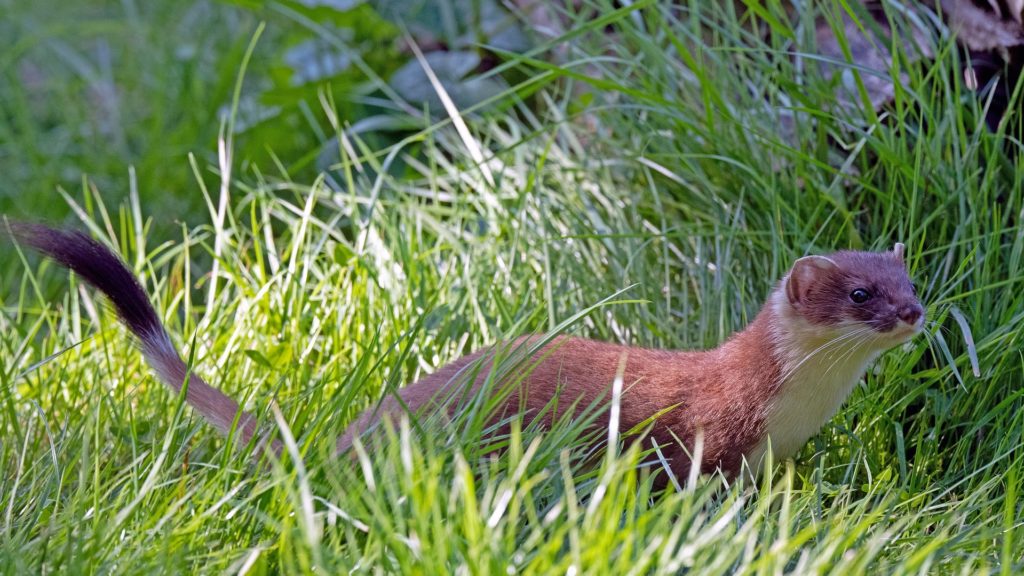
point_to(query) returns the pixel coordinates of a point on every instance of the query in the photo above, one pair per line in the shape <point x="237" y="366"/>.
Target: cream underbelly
<point x="805" y="403"/>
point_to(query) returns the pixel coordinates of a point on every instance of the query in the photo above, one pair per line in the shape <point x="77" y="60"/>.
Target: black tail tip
<point x="94" y="263"/>
<point x="39" y="236"/>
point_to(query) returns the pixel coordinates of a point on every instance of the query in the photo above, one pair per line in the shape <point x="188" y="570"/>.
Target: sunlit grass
<point x="674" y="181"/>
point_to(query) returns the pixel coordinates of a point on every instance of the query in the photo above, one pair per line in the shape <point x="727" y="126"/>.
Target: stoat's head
<point x="866" y="292"/>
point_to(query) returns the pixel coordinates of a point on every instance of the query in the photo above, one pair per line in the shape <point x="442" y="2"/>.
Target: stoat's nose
<point x="911" y="313"/>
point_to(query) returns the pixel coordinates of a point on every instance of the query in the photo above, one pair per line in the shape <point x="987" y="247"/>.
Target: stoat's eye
<point x="860" y="296"/>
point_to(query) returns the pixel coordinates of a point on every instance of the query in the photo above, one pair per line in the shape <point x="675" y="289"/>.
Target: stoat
<point x="774" y="383"/>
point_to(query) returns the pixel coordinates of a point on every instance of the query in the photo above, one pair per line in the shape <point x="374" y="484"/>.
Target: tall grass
<point x="685" y="154"/>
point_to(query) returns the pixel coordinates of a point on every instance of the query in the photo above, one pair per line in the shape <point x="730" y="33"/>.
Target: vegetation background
<point x="320" y="220"/>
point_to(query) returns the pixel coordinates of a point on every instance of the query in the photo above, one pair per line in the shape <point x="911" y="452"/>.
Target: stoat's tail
<point x="98" y="266"/>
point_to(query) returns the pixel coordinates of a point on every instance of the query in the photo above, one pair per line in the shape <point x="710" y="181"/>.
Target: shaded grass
<point x="675" y="180"/>
<point x="115" y="94"/>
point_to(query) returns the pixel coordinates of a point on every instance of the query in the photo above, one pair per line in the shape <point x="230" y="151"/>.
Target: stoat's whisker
<point x="845" y="351"/>
<point x="859" y="341"/>
<point x="834" y="342"/>
<point x="859" y="344"/>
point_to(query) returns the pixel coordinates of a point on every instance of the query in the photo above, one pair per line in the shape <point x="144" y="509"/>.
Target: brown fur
<point x="725" y="392"/>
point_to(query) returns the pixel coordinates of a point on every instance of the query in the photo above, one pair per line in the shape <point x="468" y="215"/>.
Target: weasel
<point x="774" y="383"/>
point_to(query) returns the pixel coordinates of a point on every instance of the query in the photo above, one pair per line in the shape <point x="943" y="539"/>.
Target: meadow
<point x="644" y="177"/>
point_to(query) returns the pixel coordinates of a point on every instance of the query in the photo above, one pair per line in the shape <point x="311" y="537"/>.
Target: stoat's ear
<point x="805" y="273"/>
<point x="899" y="250"/>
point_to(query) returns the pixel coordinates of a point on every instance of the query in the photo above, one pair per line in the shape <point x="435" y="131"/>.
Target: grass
<point x="676" y="155"/>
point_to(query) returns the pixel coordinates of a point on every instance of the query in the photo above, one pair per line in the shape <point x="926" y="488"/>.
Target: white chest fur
<point x="818" y="375"/>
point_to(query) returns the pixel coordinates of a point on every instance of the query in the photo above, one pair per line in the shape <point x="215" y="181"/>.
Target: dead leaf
<point x="869" y="56"/>
<point x="984" y="30"/>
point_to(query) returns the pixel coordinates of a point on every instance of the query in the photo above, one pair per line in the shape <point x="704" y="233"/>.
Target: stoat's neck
<point x="817" y="369"/>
